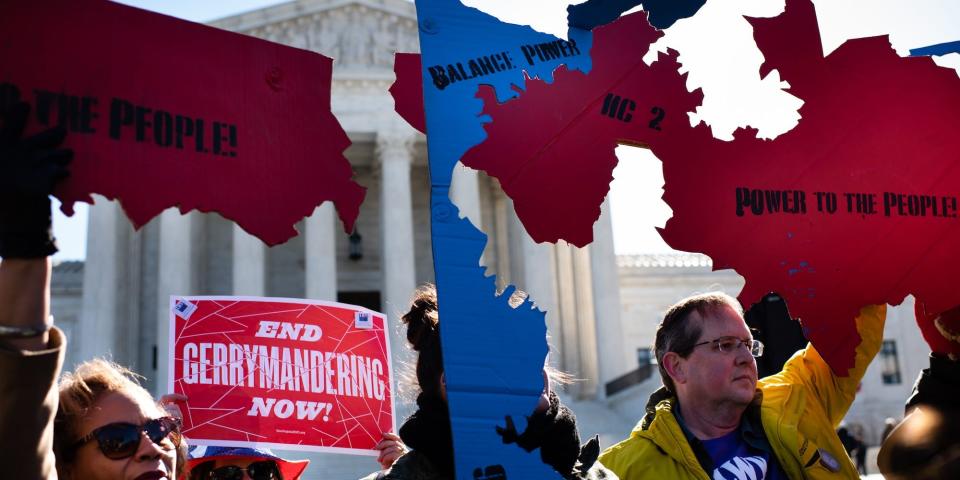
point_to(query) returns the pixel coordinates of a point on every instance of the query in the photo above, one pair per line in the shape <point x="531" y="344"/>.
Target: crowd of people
<point x="713" y="417"/>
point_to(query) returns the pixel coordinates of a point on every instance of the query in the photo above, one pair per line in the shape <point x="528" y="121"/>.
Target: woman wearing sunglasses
<point x="108" y="427"/>
<point x="238" y="463"/>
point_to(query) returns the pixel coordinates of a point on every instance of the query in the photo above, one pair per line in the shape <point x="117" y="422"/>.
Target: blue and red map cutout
<point x="856" y="205"/>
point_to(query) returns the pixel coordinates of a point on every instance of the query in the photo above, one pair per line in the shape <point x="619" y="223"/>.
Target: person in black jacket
<point x="551" y="428"/>
<point x="926" y="445"/>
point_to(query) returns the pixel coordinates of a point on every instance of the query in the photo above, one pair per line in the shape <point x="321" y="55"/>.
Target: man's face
<point x="714" y="377"/>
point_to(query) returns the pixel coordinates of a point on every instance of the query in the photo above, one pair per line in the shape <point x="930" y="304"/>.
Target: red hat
<point x="290" y="469"/>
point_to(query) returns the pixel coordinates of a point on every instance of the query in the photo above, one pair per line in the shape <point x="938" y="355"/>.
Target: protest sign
<point x="281" y="373"/>
<point x="856" y="205"/>
<point x="494" y="350"/>
<point x="162" y="112"/>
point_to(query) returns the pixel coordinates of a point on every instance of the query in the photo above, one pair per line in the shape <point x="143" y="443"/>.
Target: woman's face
<point x="149" y="462"/>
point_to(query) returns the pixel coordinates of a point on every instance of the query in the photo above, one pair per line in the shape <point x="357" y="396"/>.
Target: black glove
<point x="553" y="431"/>
<point x="29" y="169"/>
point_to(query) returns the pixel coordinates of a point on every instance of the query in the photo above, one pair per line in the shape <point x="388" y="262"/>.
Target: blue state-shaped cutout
<point x="663" y="13"/>
<point x="936" y="50"/>
<point x="493" y="354"/>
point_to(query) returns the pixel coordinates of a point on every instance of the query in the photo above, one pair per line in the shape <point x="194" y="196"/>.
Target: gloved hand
<point x="941" y="330"/>
<point x="553" y="430"/>
<point x="29" y="169"/>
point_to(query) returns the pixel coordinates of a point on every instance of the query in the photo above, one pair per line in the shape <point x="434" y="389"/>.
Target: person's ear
<point x="676" y="367"/>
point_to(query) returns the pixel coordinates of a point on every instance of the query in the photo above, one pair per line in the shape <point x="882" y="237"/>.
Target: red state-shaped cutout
<point x="163" y="112"/>
<point x="407" y="90"/>
<point x="553" y="150"/>
<point x="873" y="123"/>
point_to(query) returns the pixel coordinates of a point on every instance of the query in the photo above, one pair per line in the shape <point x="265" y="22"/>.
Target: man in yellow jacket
<point x="714" y="420"/>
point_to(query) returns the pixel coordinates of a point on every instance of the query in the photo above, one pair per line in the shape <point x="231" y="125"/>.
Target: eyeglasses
<point x="121" y="440"/>
<point x="731" y="344"/>
<point x="263" y="470"/>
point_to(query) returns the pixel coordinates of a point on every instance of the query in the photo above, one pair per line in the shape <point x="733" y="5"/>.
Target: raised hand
<point x="29" y="169"/>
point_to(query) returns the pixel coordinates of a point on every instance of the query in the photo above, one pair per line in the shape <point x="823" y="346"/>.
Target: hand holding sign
<point x="29" y="169"/>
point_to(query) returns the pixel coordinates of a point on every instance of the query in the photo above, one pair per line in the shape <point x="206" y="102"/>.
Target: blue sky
<point x="717" y="48"/>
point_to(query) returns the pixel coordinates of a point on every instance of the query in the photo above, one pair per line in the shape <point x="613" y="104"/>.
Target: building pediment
<point x="360" y="35"/>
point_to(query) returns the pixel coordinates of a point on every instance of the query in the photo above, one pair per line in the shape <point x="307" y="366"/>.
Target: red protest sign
<point x="283" y="373"/>
<point x="163" y="112"/>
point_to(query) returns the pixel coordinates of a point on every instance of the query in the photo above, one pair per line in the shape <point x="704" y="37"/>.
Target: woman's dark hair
<point x="423" y="333"/>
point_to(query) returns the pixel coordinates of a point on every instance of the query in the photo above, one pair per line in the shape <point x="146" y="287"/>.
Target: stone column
<point x="539" y="279"/>
<point x="586" y="322"/>
<point x="465" y="193"/>
<point x="395" y="152"/>
<point x="175" y="277"/>
<point x="104" y="289"/>
<point x="502" y="210"/>
<point x="516" y="239"/>
<point x="321" y="254"/>
<point x="567" y="338"/>
<point x="613" y="358"/>
<point x="249" y="264"/>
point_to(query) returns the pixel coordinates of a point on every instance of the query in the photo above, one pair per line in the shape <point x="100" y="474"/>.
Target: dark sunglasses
<point x="121" y="440"/>
<point x="263" y="470"/>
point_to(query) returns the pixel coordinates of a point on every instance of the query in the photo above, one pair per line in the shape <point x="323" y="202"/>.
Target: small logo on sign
<point x="184" y="309"/>
<point x="363" y="320"/>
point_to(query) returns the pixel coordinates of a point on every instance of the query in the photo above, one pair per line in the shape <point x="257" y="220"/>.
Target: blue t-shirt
<point x="734" y="459"/>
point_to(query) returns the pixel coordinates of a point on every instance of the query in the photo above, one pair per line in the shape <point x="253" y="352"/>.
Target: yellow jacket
<point x="799" y="408"/>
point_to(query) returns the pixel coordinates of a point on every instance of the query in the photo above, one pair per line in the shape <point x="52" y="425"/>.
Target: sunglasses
<point x="121" y="440"/>
<point x="263" y="470"/>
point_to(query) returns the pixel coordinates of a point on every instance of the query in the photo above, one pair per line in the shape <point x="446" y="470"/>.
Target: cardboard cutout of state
<point x="407" y="90"/>
<point x="163" y="112"/>
<point x="580" y="119"/>
<point x="857" y="205"/>
<point x="663" y="13"/>
<point x="936" y="50"/>
<point x="493" y="353"/>
<point x="281" y="373"/>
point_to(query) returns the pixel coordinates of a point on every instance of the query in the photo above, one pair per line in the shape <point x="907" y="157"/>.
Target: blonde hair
<point x="80" y="391"/>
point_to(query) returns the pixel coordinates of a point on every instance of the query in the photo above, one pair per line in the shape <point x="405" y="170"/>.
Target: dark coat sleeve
<point x="937" y="385"/>
<point x="28" y="404"/>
